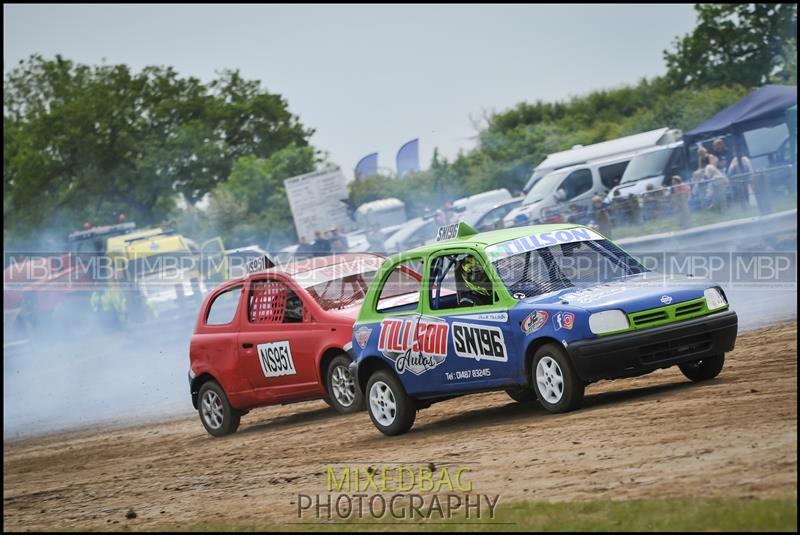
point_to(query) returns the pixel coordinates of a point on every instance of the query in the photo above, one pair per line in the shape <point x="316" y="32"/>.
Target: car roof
<point x="316" y="262"/>
<point x="488" y="238"/>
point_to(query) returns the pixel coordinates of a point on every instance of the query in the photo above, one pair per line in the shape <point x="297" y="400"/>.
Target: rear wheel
<point x="216" y="413"/>
<point x="703" y="369"/>
<point x="557" y="386"/>
<point x="343" y="392"/>
<point x="391" y="410"/>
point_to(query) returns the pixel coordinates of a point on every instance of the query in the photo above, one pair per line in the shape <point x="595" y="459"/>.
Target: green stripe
<point x="656" y="317"/>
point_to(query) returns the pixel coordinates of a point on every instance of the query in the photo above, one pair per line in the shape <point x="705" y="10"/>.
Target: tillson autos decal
<point x="415" y="344"/>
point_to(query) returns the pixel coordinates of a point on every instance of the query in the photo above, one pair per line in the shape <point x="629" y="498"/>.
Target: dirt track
<point x="655" y="436"/>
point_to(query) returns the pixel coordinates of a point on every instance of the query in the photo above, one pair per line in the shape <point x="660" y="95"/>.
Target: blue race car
<point x="539" y="312"/>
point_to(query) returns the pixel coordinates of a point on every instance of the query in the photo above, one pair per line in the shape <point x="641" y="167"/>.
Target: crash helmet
<point x="473" y="275"/>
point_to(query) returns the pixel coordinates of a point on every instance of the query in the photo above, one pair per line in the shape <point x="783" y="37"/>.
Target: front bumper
<point x="640" y="352"/>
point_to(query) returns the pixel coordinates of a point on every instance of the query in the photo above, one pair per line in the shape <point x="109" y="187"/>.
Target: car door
<point x="459" y="290"/>
<point x="276" y="342"/>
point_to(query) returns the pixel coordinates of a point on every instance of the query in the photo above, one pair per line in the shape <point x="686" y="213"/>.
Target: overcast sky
<point x="369" y="78"/>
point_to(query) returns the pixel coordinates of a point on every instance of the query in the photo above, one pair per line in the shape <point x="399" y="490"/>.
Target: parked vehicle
<point x="654" y="166"/>
<point x="479" y="200"/>
<point x="538" y="311"/>
<point x="415" y="232"/>
<point x="580" y="154"/>
<point x="490" y="216"/>
<point x="383" y="212"/>
<point x="280" y="336"/>
<point x="571" y="185"/>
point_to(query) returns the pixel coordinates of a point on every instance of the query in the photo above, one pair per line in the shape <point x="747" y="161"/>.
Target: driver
<point x="471" y="278"/>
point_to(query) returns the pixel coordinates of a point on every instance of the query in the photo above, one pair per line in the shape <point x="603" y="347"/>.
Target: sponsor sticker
<point x="592" y="294"/>
<point x="447" y="232"/>
<point x="479" y="342"/>
<point x="415" y="344"/>
<point x="539" y="241"/>
<point x="489" y="316"/>
<point x="362" y="336"/>
<point x="276" y="359"/>
<point x="534" y="321"/>
<point x="563" y="320"/>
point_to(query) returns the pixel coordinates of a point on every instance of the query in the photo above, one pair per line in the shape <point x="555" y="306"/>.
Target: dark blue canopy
<point x="766" y="106"/>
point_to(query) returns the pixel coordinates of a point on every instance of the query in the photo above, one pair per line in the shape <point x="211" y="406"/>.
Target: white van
<point x="656" y="166"/>
<point x="580" y="154"/>
<point x="572" y="185"/>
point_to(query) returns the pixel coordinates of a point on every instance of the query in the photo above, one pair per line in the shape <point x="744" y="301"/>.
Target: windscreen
<point x="543" y="187"/>
<point x="646" y="165"/>
<point x="578" y="264"/>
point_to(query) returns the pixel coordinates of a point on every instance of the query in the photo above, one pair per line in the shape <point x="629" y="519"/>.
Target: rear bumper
<point x="628" y="355"/>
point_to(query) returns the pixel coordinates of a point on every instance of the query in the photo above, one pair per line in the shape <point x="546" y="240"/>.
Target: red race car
<point x="279" y="336"/>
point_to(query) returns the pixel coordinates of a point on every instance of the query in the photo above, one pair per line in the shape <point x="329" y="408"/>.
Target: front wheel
<point x="216" y="413"/>
<point x="521" y="394"/>
<point x="558" y="387"/>
<point x="343" y="392"/>
<point x="391" y="410"/>
<point x="703" y="369"/>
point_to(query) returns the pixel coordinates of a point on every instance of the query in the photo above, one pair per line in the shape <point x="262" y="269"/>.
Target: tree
<point x="86" y="142"/>
<point x="748" y="44"/>
<point x="251" y="206"/>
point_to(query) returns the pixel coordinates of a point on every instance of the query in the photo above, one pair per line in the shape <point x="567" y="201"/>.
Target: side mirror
<point x="561" y="195"/>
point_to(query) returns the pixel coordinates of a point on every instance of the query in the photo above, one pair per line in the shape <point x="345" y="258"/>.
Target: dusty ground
<point x="655" y="436"/>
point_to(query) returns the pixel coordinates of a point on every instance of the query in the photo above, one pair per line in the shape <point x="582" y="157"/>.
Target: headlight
<point x="608" y="321"/>
<point x="714" y="299"/>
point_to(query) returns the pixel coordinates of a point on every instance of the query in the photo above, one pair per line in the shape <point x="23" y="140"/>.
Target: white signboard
<point x="315" y="201"/>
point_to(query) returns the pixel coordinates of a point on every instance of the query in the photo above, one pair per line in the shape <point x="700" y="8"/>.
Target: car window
<point x="611" y="174"/>
<point x="400" y="290"/>
<point x="272" y="301"/>
<point x="458" y="281"/>
<point x="577" y="182"/>
<point x="223" y="308"/>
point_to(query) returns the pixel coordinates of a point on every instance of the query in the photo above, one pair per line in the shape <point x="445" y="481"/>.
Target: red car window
<point x="268" y="301"/>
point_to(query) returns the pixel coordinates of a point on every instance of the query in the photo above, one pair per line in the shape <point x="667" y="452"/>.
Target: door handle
<point x="247" y="345"/>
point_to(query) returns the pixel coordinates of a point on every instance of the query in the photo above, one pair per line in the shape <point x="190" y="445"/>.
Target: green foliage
<point x="748" y="44"/>
<point x="251" y="207"/>
<point x="86" y="142"/>
<point x="514" y="141"/>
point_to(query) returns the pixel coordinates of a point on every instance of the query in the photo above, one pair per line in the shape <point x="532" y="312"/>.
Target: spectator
<point x="576" y="215"/>
<point x="601" y="216"/>
<point x="722" y="154"/>
<point x="704" y="158"/>
<point x="633" y="209"/>
<point x="759" y="181"/>
<point x="740" y="173"/>
<point x="304" y="248"/>
<point x="650" y="203"/>
<point x="338" y="241"/>
<point x="680" y="200"/>
<point x="719" y="188"/>
<point x="321" y="245"/>
<point x="619" y="209"/>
